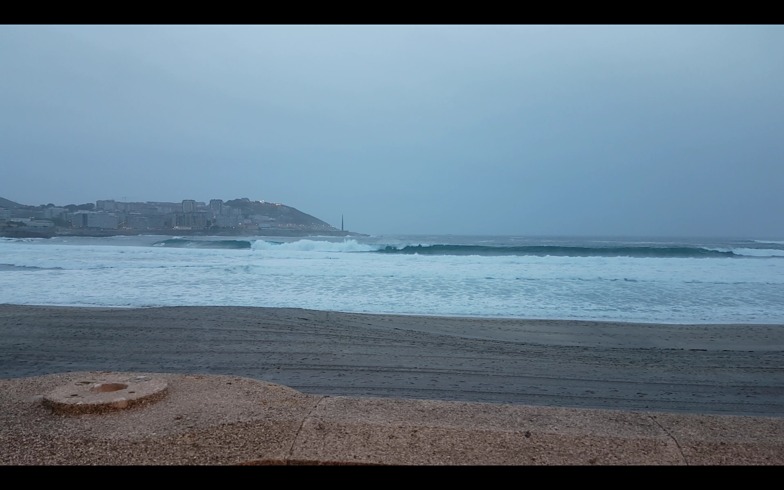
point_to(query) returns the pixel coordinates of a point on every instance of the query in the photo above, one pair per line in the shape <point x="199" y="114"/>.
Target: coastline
<point x="96" y="233"/>
<point x="709" y="369"/>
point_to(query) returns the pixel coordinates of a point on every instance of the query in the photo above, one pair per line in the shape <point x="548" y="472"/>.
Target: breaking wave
<point x="347" y="246"/>
<point x="188" y="243"/>
<point x="314" y="246"/>
<point x="582" y="251"/>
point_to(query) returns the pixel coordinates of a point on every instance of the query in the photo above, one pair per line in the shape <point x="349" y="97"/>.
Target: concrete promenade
<point x="110" y="418"/>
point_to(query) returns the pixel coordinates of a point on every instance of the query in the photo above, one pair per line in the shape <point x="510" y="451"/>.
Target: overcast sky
<point x="485" y="129"/>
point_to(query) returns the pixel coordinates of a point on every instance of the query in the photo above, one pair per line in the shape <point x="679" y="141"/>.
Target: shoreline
<point x="711" y="369"/>
<point x="616" y="322"/>
<point x="98" y="233"/>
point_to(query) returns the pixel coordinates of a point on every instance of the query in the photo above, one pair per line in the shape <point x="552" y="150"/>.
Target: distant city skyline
<point x="240" y="216"/>
<point x="619" y="130"/>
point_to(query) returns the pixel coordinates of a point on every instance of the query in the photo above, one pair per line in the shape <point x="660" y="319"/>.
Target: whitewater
<point x="682" y="281"/>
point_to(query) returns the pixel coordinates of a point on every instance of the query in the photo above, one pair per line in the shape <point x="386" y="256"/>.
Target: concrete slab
<point x="412" y="432"/>
<point x="105" y="392"/>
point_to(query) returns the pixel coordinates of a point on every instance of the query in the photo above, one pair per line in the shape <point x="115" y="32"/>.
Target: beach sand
<point x="291" y="386"/>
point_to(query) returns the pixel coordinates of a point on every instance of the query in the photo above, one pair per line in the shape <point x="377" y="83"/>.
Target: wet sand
<point x="700" y="369"/>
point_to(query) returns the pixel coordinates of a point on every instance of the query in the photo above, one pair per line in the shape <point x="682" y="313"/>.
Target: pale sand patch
<point x="227" y="420"/>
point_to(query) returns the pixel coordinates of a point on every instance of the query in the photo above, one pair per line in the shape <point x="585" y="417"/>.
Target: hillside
<point x="277" y="212"/>
<point x="235" y="216"/>
<point x="5" y="203"/>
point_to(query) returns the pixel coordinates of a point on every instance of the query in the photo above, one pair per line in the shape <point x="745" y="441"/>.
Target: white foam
<point x="752" y="252"/>
<point x="324" y="274"/>
<point x="759" y="252"/>
<point x="314" y="246"/>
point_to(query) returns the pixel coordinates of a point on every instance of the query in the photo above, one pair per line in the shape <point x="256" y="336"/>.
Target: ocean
<point x="646" y="280"/>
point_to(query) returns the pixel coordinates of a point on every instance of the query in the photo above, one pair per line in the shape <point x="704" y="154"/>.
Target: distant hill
<point x="278" y="212"/>
<point x="5" y="203"/>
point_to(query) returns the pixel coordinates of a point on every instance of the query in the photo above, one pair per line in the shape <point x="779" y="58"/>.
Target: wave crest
<point x="314" y="246"/>
<point x="188" y="243"/>
<point x="562" y="251"/>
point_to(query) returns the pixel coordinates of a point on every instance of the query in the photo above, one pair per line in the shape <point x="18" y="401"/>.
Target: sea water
<point x="611" y="279"/>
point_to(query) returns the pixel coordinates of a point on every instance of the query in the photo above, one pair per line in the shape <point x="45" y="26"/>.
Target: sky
<point x="625" y="130"/>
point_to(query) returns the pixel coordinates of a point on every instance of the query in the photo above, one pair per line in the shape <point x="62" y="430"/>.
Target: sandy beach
<point x="716" y="369"/>
<point x="726" y="373"/>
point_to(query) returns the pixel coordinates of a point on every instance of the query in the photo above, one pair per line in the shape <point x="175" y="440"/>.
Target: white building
<point x="93" y="219"/>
